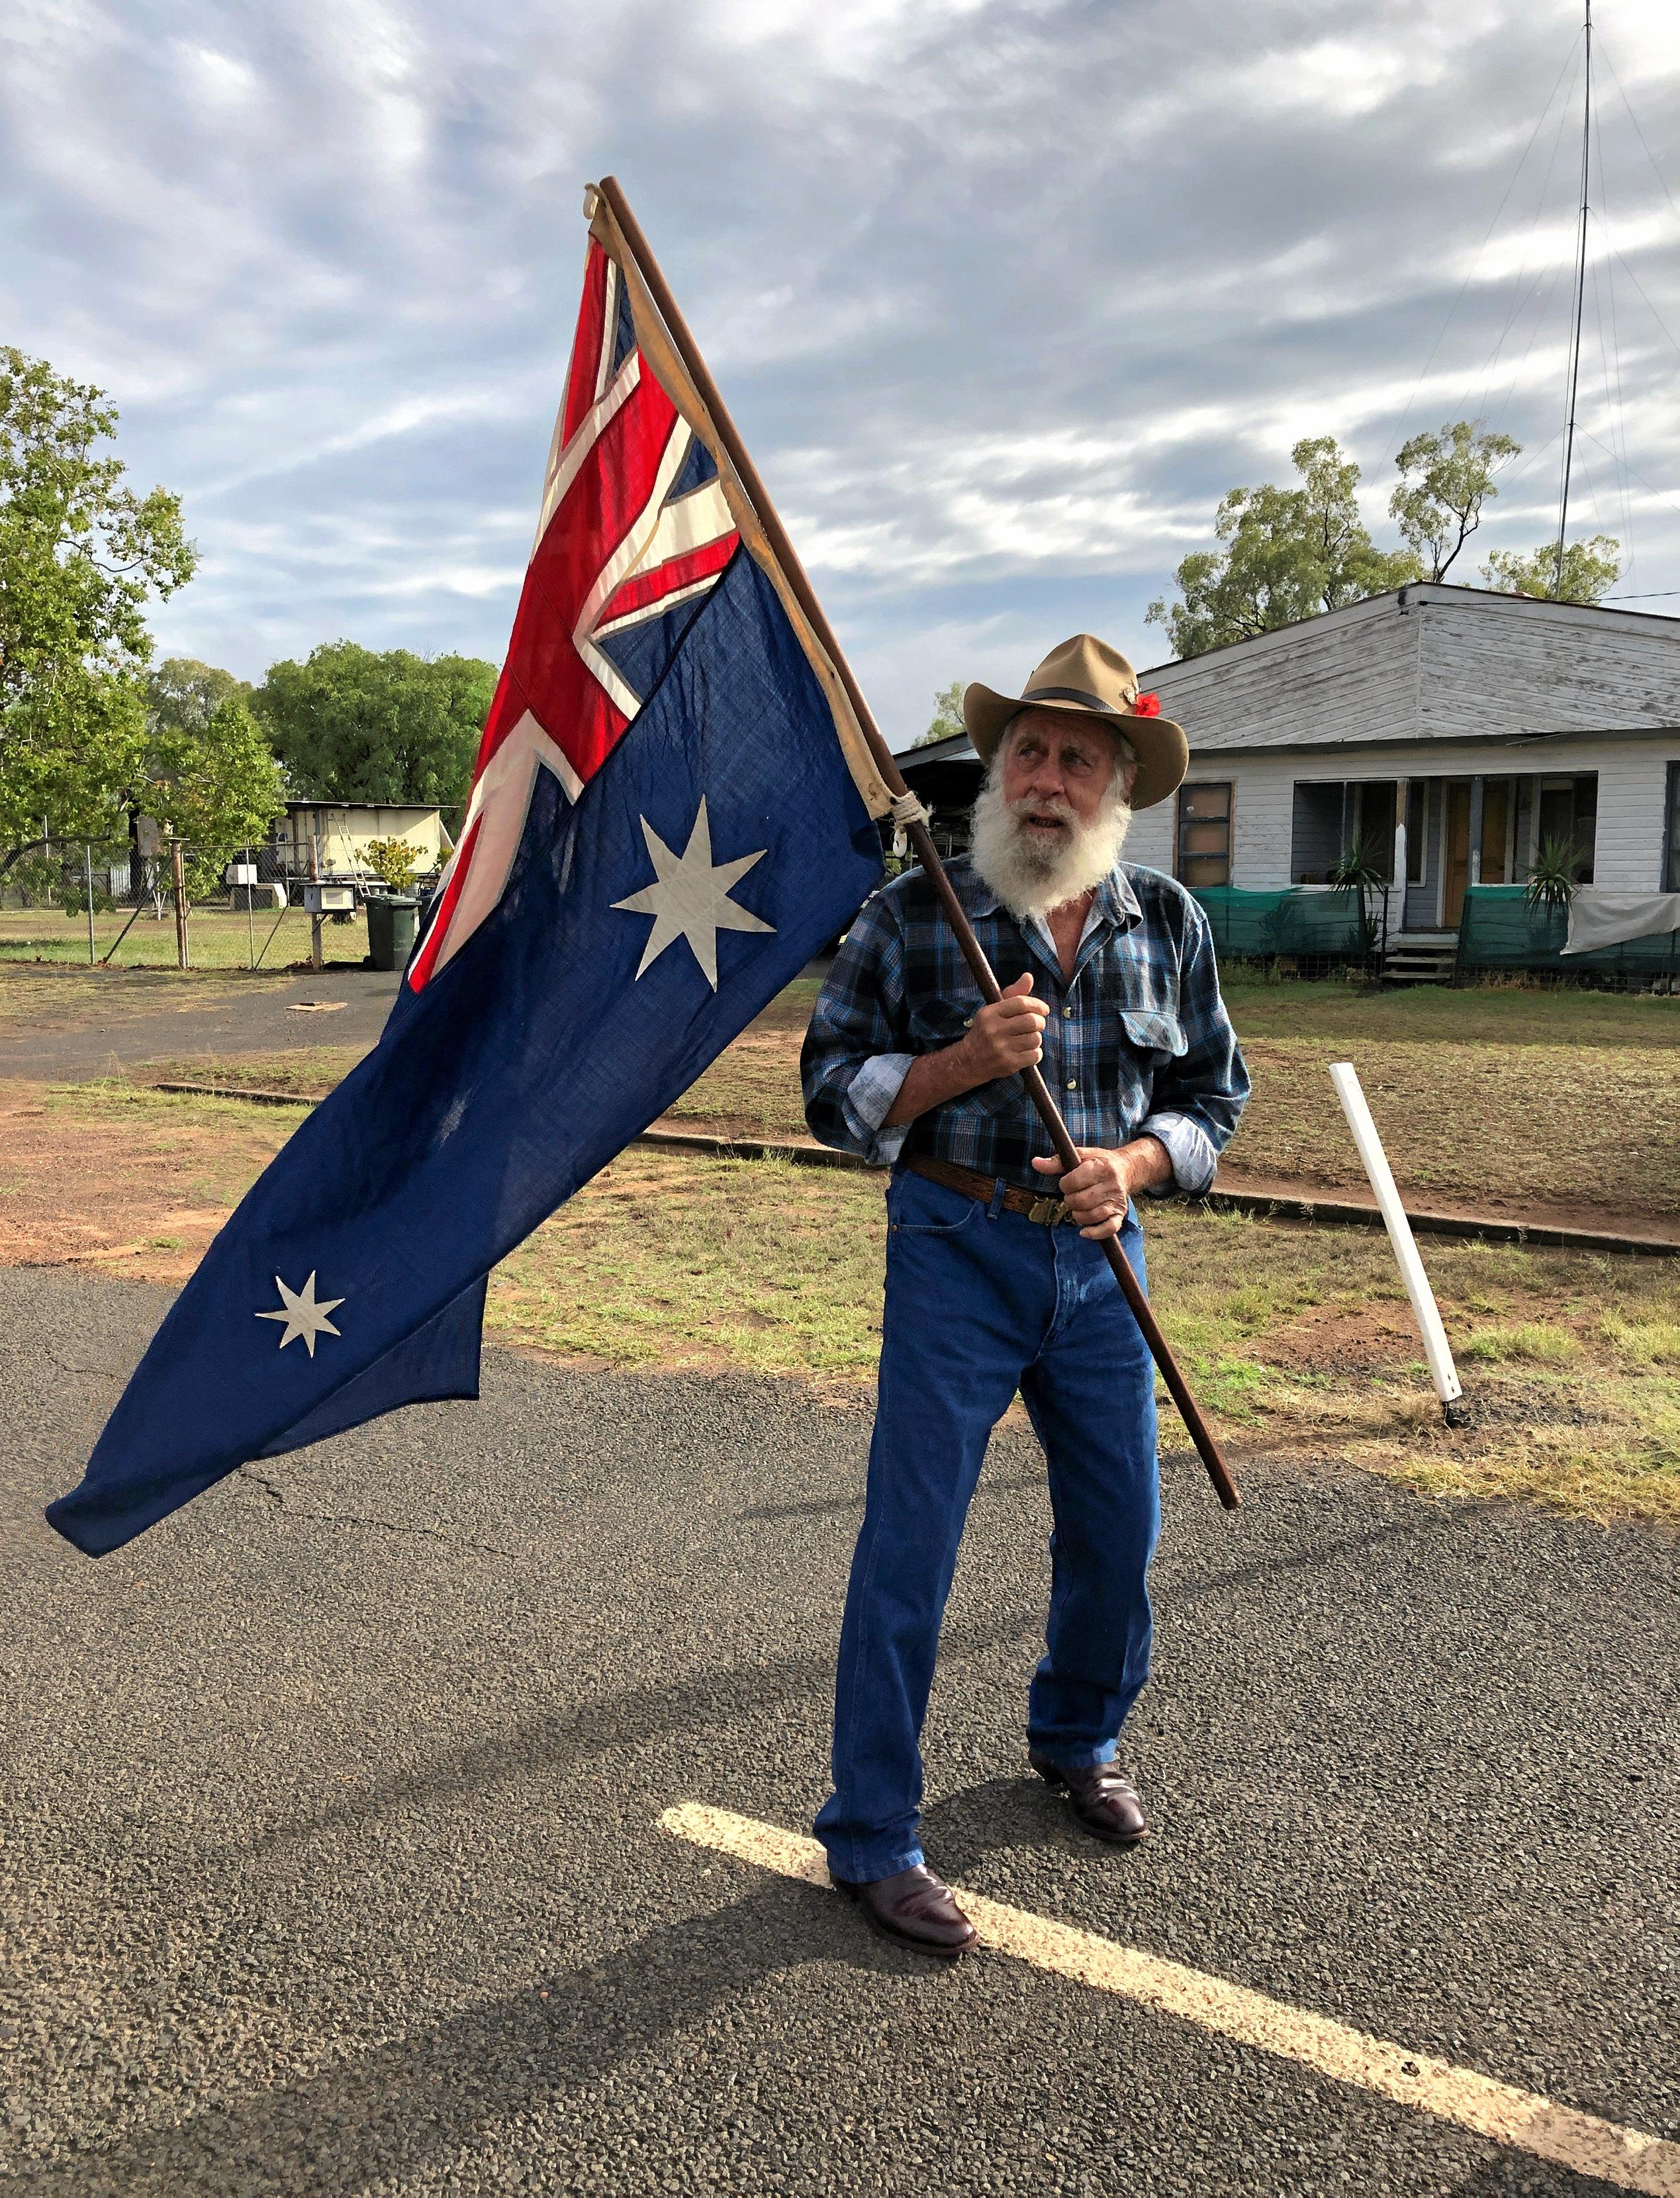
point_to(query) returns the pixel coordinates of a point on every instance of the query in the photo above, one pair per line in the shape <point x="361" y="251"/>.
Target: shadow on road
<point x="384" y="2114"/>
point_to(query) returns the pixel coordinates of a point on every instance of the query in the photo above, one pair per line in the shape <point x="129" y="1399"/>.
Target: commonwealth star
<point x="304" y="1313"/>
<point x="690" y="897"/>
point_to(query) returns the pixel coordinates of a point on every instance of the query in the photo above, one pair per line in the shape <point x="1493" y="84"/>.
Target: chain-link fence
<point x="106" y="902"/>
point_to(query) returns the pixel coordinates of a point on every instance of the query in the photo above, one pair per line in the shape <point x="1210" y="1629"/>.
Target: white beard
<point x="1032" y="878"/>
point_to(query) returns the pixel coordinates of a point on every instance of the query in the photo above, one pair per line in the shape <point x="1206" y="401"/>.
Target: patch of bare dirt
<point x="140" y="1196"/>
<point x="1374" y="1339"/>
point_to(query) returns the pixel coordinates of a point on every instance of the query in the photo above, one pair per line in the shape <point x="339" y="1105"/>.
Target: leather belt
<point x="984" y="1188"/>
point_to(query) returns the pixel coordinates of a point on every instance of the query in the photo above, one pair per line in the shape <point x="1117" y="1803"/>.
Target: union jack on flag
<point x="633" y="534"/>
<point x="670" y="812"/>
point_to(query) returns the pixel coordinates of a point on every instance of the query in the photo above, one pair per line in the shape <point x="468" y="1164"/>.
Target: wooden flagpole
<point x="915" y="830"/>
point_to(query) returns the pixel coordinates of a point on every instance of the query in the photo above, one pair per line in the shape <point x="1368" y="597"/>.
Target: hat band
<point x="1072" y="694"/>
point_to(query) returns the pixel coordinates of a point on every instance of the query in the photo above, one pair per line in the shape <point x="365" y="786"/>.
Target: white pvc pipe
<point x="1442" y="1371"/>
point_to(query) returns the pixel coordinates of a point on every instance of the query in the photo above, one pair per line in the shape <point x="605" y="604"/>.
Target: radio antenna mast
<point x="1580" y="299"/>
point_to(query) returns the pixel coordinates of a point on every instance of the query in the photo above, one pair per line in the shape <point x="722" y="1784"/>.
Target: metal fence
<point x="106" y="903"/>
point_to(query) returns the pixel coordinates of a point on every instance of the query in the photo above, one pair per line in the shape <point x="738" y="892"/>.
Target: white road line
<point x="1628" y="2158"/>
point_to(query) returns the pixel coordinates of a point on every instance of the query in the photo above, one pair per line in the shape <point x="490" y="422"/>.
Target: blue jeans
<point x="981" y="1302"/>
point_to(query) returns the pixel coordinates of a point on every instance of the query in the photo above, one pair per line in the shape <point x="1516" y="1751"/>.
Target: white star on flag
<point x="691" y="898"/>
<point x="304" y="1313"/>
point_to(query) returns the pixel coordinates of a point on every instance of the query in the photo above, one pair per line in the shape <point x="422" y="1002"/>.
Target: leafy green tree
<point x="1288" y="553"/>
<point x="81" y="556"/>
<point x="353" y="725"/>
<point x="947" y="717"/>
<point x="217" y="784"/>
<point x="1590" y="570"/>
<point x="1444" y="481"/>
<point x="185" y="694"/>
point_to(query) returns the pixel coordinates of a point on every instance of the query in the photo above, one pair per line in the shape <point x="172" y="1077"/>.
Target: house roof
<point x="1417" y="595"/>
<point x="1427" y="662"/>
<point x="1431" y="663"/>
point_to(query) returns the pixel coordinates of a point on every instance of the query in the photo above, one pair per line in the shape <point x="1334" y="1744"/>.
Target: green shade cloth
<point x="1254" y="926"/>
<point x="1499" y="930"/>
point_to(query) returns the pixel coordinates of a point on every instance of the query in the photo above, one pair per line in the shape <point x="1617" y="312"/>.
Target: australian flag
<point x="671" y="813"/>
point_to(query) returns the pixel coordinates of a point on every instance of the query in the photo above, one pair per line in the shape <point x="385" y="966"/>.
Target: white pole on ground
<point x="1442" y="1371"/>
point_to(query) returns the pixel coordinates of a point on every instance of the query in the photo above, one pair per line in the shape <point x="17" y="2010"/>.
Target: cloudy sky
<point x="1003" y="296"/>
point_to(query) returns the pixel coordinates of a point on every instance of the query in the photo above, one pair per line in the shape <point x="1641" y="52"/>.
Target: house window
<point x="1334" y="818"/>
<point x="1566" y="814"/>
<point x="1204" y="833"/>
<point x="1670" y="832"/>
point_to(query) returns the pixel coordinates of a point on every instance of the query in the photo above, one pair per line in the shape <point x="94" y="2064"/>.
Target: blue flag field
<point x="665" y="827"/>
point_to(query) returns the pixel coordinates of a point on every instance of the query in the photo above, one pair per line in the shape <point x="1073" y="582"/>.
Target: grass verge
<point x="1297" y="1340"/>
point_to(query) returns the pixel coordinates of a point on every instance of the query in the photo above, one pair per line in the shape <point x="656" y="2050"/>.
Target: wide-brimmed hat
<point x="1085" y="678"/>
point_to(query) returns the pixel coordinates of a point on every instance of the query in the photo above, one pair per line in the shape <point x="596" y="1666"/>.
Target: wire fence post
<point x="87" y="870"/>
<point x="251" y="907"/>
<point x="178" y="868"/>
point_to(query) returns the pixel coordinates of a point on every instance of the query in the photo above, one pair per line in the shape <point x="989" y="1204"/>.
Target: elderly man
<point x="994" y="1280"/>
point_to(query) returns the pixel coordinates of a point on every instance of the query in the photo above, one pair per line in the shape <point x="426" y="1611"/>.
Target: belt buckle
<point x="1048" y="1211"/>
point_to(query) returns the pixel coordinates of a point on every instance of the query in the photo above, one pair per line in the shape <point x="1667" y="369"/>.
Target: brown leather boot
<point x="914" y="1910"/>
<point x="1105" y="1802"/>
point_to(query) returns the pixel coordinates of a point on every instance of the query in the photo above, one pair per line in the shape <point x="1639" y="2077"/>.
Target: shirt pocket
<point x="1155" y="1030"/>
<point x="939" y="1023"/>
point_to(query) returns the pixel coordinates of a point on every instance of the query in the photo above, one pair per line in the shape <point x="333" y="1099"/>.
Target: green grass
<point x="217" y="939"/>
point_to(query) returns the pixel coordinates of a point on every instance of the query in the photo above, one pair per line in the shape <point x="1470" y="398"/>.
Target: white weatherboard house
<point x="1450" y="732"/>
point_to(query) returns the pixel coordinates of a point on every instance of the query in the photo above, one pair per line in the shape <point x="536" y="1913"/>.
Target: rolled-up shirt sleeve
<point x="1197" y="1102"/>
<point x="855" y="1056"/>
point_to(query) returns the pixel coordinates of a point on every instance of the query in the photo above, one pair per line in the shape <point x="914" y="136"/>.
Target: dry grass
<point x="677" y="1260"/>
<point x="59" y="999"/>
<point x="1297" y="1339"/>
<point x="1510" y="1014"/>
<point x="1499" y="1099"/>
<point x="310" y="1071"/>
<point x="1490" y="1126"/>
<point x="1571" y="1363"/>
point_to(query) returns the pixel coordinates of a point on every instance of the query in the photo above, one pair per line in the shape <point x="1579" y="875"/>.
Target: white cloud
<point x="1005" y="295"/>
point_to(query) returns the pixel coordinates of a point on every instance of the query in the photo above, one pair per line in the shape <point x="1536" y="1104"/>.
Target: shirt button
<point x="1067" y="1014"/>
<point x="1072" y="1083"/>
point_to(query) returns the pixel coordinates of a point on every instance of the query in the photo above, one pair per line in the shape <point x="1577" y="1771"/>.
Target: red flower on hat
<point x="1147" y="706"/>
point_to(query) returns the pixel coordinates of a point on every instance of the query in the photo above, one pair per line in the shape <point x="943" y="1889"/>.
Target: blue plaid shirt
<point x="1138" y="1043"/>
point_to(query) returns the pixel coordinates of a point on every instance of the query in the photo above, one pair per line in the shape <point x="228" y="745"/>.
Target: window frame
<point x="1190" y="786"/>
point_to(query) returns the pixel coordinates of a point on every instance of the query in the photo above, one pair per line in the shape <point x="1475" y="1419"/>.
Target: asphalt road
<point x="332" y="1860"/>
<point x="246" y="1015"/>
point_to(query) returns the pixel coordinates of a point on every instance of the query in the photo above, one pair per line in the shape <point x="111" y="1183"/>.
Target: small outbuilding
<point x="330" y="839"/>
